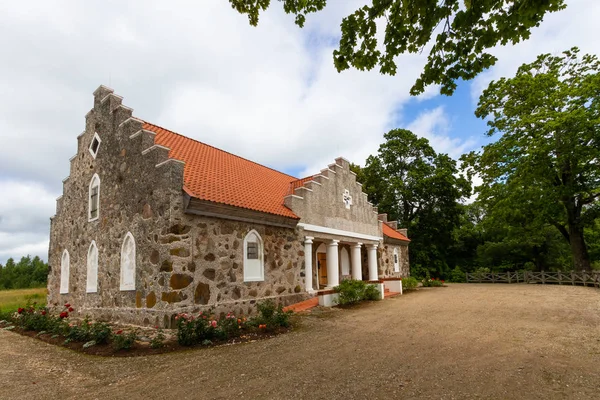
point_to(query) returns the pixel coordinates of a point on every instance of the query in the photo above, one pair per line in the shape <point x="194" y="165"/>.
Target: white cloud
<point x="435" y="125"/>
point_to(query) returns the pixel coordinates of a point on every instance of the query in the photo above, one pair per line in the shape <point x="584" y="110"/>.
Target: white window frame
<point x="128" y="284"/>
<point x="254" y="264"/>
<point x="396" y="260"/>
<point x="96" y="137"/>
<point x="92" y="269"/>
<point x="64" y="272"/>
<point x="95" y="179"/>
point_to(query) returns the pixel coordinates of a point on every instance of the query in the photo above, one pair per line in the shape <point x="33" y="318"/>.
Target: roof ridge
<point x="224" y="151"/>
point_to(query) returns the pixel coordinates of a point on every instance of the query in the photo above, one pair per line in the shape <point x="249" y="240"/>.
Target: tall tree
<point x="421" y="189"/>
<point x="546" y="163"/>
<point x="463" y="29"/>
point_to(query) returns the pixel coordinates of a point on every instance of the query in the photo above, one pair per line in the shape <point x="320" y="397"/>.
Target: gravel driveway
<point x="460" y="342"/>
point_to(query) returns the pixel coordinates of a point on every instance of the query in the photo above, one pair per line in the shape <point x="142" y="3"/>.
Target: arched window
<point x="94" y="198"/>
<point x="128" y="263"/>
<point x="64" y="273"/>
<point x="92" y="269"/>
<point x="254" y="268"/>
<point x="345" y="261"/>
<point x="396" y="261"/>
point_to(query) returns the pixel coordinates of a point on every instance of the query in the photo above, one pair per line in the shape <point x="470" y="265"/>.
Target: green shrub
<point x="350" y="291"/>
<point x="100" y="332"/>
<point x="271" y="315"/>
<point x="158" y="340"/>
<point x="457" y="275"/>
<point x="123" y="341"/>
<point x="409" y="283"/>
<point x="372" y="293"/>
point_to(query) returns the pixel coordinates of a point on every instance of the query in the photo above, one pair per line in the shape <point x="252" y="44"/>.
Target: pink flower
<point x="213" y="323"/>
<point x="176" y="317"/>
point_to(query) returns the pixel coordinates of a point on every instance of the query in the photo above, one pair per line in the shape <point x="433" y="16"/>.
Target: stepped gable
<point x="215" y="175"/>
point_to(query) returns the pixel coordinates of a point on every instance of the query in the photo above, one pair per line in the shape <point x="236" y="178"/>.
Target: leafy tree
<point x="545" y="165"/>
<point x="27" y="273"/>
<point x="420" y="189"/>
<point x="463" y="29"/>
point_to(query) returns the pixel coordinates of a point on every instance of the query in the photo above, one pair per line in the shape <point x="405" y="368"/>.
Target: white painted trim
<point x="130" y="119"/>
<point x="82" y="133"/>
<point x="342" y="158"/>
<point x="72" y="158"/>
<point x="322" y="176"/>
<point x="260" y="261"/>
<point x="352" y="172"/>
<point x="96" y="136"/>
<point x="338" y="232"/>
<point x="169" y="160"/>
<point x="59" y="197"/>
<point x="125" y="107"/>
<point x="111" y="94"/>
<point x="303" y="188"/>
<point x="328" y="169"/>
<point x="66" y="179"/>
<point x="140" y="131"/>
<point x="124" y="286"/>
<point x="65" y="261"/>
<point x="294" y="196"/>
<point x="156" y="146"/>
<point x="103" y="87"/>
<point x="316" y="183"/>
<point x="90" y="219"/>
<point x="91" y="282"/>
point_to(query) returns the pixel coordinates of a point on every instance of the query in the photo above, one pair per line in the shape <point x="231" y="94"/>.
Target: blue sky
<point x="270" y="94"/>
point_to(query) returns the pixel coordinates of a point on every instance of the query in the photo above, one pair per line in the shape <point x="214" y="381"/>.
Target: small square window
<point x="95" y="145"/>
<point x="252" y="251"/>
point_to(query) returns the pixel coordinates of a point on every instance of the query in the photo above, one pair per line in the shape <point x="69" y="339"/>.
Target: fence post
<point x="543" y="277"/>
<point x="467" y="276"/>
<point x="584" y="278"/>
<point x="573" y="278"/>
<point x="559" y="278"/>
<point x="509" y="277"/>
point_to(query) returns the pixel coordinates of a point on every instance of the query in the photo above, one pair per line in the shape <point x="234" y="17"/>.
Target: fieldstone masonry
<point x="184" y="262"/>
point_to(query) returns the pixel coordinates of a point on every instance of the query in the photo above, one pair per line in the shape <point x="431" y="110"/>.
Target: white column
<point x="356" y="262"/>
<point x="373" y="276"/>
<point x="308" y="259"/>
<point x="333" y="268"/>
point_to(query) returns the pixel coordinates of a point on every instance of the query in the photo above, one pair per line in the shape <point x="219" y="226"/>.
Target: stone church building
<point x="152" y="223"/>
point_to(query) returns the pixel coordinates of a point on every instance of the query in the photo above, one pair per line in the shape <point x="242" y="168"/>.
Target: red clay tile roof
<point x="216" y="175"/>
<point x="391" y="233"/>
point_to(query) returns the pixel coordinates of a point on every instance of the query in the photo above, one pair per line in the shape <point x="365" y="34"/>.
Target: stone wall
<point x="386" y="260"/>
<point x="184" y="263"/>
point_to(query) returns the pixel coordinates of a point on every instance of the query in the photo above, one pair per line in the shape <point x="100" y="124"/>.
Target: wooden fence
<point x="585" y="278"/>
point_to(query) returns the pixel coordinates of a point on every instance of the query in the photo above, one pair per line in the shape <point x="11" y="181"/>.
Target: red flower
<point x="442" y="281"/>
<point x="63" y="314"/>
<point x="67" y="305"/>
<point x="44" y="312"/>
<point x="71" y="309"/>
<point x="20" y="310"/>
<point x="119" y="331"/>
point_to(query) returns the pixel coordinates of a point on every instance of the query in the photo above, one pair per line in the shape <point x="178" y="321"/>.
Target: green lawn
<point x="10" y="300"/>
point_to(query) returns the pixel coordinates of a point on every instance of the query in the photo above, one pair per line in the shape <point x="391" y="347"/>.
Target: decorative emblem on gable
<point x="347" y="199"/>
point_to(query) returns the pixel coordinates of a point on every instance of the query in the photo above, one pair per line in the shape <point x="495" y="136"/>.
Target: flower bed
<point x="101" y="338"/>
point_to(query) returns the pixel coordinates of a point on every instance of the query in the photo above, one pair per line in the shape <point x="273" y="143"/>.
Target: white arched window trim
<point x="254" y="260"/>
<point x="92" y="269"/>
<point x="64" y="272"/>
<point x="94" y="198"/>
<point x="396" y="261"/>
<point x="128" y="264"/>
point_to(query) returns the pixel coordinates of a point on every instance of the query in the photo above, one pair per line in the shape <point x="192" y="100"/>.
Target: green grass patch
<point x="11" y="300"/>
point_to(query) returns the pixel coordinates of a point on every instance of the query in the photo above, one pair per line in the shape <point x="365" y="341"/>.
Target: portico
<point x="326" y="260"/>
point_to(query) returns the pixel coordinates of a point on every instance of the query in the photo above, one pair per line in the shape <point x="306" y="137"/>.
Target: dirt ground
<point x="468" y="341"/>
